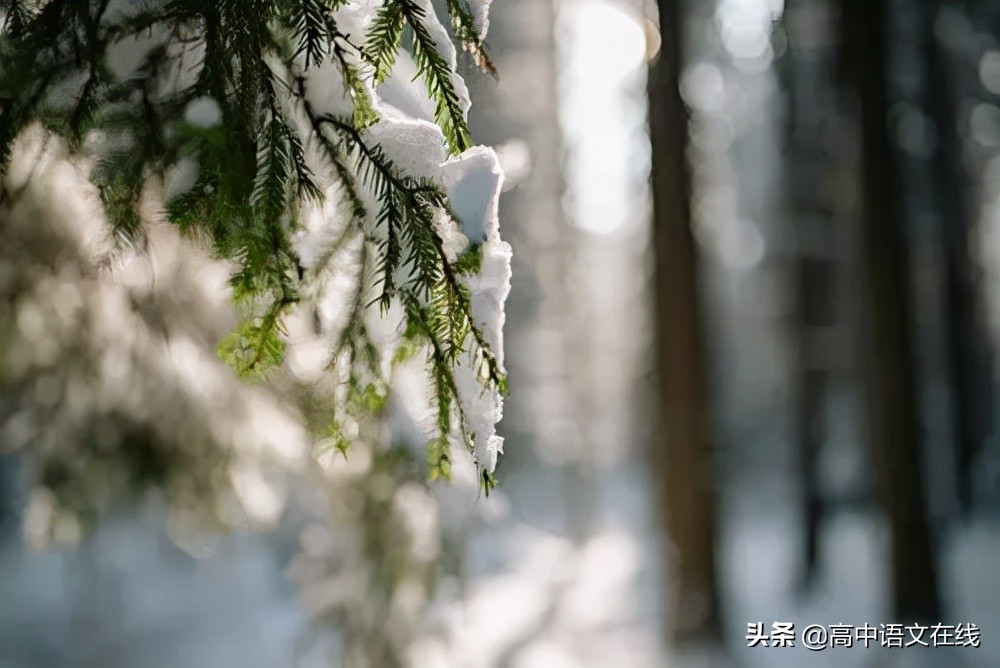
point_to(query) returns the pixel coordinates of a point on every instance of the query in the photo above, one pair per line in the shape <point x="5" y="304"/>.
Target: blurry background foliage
<point x="145" y="91"/>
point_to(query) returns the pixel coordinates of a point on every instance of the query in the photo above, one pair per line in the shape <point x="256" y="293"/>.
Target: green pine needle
<point x="253" y="173"/>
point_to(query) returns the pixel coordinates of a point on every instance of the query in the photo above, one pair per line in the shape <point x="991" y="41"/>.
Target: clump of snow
<point x="481" y="13"/>
<point x="414" y="146"/>
<point x="474" y="181"/>
<point x="203" y="112"/>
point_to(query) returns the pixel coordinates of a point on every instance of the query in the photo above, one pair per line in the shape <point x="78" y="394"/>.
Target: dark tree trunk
<point x="895" y="424"/>
<point x="807" y="73"/>
<point x="969" y="358"/>
<point x="683" y="458"/>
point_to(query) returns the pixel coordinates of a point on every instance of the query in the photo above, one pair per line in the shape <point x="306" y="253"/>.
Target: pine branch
<point x="383" y="39"/>
<point x="437" y="76"/>
<point x="464" y="26"/>
<point x="445" y="388"/>
<point x="313" y="27"/>
<point x="392" y="217"/>
<point x="334" y="152"/>
<point x="257" y="346"/>
<point x="270" y="188"/>
<point x="427" y="253"/>
<point x="253" y="172"/>
<point x="364" y="110"/>
<point x="31" y="64"/>
<point x="18" y="14"/>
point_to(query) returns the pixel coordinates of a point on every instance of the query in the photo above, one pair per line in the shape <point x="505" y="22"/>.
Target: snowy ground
<point x="761" y="565"/>
<point x="537" y="599"/>
<point x="130" y="598"/>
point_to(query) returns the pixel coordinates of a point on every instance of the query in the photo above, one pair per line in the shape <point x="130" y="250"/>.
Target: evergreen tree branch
<point x="464" y="26"/>
<point x="431" y="66"/>
<point x="253" y="173"/>
<point x="383" y="40"/>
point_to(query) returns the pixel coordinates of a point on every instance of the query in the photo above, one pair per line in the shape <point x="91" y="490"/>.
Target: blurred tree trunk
<point x="970" y="363"/>
<point x="807" y="75"/>
<point x="10" y="503"/>
<point x="683" y="457"/>
<point x="895" y="424"/>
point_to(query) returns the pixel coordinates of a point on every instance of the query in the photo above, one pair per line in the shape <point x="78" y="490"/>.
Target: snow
<point x="481" y="13"/>
<point x="485" y="407"/>
<point x="105" y="338"/>
<point x="325" y="91"/>
<point x="447" y="49"/>
<point x="203" y="112"/>
<point x="398" y="92"/>
<point x="414" y="146"/>
<point x="102" y="336"/>
<point x="474" y="180"/>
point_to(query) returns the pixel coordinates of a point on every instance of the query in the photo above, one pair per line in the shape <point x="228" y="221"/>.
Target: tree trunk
<point x="895" y="424"/>
<point x="683" y="457"/>
<point x="970" y="363"/>
<point x="807" y="76"/>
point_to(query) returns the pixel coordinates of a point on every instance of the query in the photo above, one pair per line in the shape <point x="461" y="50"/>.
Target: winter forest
<point x="499" y="334"/>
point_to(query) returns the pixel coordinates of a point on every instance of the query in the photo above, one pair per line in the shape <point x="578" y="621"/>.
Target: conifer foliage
<point x="118" y="81"/>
